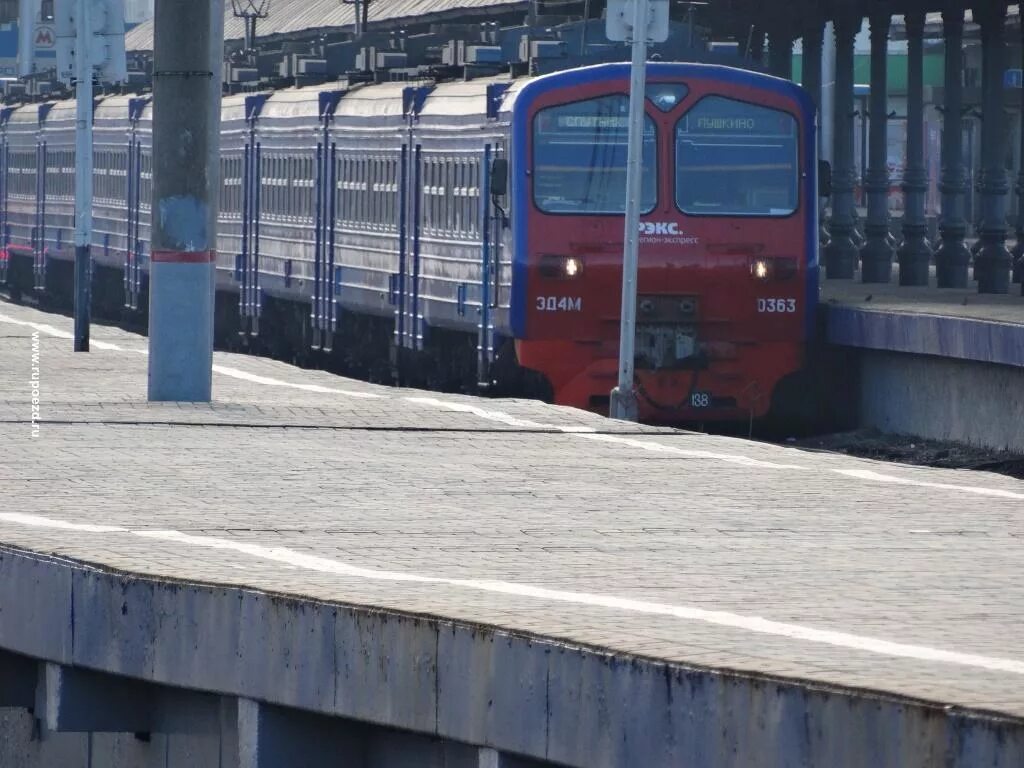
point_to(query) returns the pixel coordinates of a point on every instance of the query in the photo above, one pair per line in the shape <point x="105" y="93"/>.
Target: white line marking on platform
<point x="38" y="521"/>
<point x="878" y="477"/>
<point x="266" y="380"/>
<point x="753" y="624"/>
<point x="492" y="415"/>
<point x="41" y="327"/>
<point x="588" y="433"/>
<point x="728" y="458"/>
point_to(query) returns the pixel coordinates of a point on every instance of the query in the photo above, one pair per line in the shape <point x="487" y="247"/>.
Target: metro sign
<point x="45" y="37"/>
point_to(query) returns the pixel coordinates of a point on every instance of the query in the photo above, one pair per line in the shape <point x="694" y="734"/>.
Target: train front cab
<point x="727" y="282"/>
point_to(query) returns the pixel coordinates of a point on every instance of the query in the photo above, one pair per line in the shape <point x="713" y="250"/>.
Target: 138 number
<point x="700" y="399"/>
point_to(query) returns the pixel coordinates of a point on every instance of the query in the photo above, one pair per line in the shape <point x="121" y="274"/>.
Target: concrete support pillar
<point x="18" y="676"/>
<point x="841" y="253"/>
<point x="915" y="252"/>
<point x="780" y="53"/>
<point x="877" y="253"/>
<point x="70" y="699"/>
<point x="992" y="262"/>
<point x="952" y="256"/>
<point x="186" y="133"/>
<point x="271" y="736"/>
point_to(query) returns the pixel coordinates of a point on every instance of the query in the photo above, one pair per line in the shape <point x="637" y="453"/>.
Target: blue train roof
<point x="681" y="70"/>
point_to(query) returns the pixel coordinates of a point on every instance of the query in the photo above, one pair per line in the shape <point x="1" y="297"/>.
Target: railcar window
<point x="736" y="159"/>
<point x="579" y="158"/>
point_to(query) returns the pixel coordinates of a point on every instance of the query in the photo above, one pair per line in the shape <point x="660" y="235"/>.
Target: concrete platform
<point x="940" y="363"/>
<point x="947" y="322"/>
<point x="534" y="580"/>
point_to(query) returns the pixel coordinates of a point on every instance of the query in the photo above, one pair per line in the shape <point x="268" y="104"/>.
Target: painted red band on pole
<point x="184" y="257"/>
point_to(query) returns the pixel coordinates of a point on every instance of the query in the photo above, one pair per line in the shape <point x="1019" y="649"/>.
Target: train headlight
<point x="566" y="267"/>
<point x="774" y="268"/>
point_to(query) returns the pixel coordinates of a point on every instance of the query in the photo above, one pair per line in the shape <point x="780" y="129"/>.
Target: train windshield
<point x="736" y="159"/>
<point x="579" y="158"/>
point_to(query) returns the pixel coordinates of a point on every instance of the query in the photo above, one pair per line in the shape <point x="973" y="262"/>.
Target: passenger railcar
<point x="474" y="228"/>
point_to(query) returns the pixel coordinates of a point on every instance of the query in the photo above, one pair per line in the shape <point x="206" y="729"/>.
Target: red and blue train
<point x="472" y="230"/>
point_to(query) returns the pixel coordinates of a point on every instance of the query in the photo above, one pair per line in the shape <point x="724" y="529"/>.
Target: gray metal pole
<point x="952" y="256"/>
<point x="27" y="10"/>
<point x="841" y="253"/>
<point x="877" y="253"/>
<point x="992" y="262"/>
<point x="186" y="131"/>
<point x="915" y="252"/>
<point x="83" y="171"/>
<point x="623" y="397"/>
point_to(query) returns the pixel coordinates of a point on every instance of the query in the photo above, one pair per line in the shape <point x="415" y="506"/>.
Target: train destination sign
<point x="774" y="124"/>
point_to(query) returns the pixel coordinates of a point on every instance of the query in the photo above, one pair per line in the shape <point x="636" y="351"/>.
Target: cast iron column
<point x="757" y="46"/>
<point x="1018" y="250"/>
<point x="915" y="252"/>
<point x="813" y="43"/>
<point x="992" y="262"/>
<point x="780" y="54"/>
<point x="841" y="253"/>
<point x="877" y="253"/>
<point x="952" y="255"/>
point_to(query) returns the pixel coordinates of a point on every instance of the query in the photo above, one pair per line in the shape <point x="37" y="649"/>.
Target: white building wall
<point x="137" y="11"/>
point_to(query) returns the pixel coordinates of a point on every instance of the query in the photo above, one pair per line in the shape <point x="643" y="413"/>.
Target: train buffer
<point x="312" y="565"/>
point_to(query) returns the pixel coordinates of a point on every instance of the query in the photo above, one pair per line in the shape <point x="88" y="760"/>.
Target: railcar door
<point x="133" y="199"/>
<point x="5" y="230"/>
<point x="494" y="176"/>
<point x="326" y="274"/>
<point x="250" y="299"/>
<point x="406" y="285"/>
<point x="39" y="224"/>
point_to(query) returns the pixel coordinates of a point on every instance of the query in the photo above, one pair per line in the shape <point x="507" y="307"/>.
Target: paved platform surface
<point x="932" y="300"/>
<point x="705" y="551"/>
<point x="959" y="324"/>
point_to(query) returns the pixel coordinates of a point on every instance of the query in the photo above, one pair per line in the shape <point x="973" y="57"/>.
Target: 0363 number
<point x="776" y="305"/>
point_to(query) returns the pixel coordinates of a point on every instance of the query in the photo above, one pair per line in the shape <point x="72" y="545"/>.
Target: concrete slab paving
<point x="705" y="552"/>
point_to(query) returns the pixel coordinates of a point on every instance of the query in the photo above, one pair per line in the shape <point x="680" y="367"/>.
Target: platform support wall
<point x="186" y="135"/>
